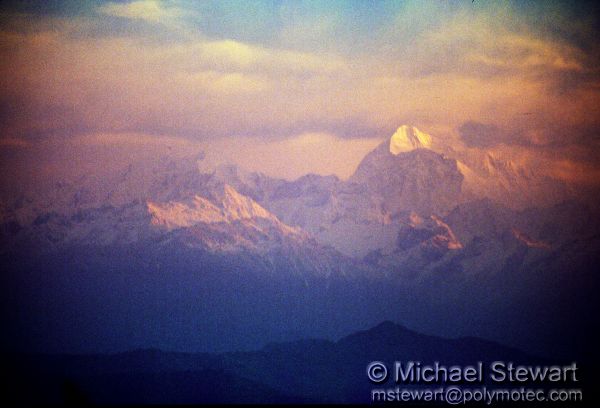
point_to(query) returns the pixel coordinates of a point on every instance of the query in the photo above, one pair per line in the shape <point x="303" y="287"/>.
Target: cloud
<point x="292" y="157"/>
<point x="208" y="87"/>
<point x="475" y="134"/>
<point x="230" y="53"/>
<point x="152" y="11"/>
<point x="532" y="133"/>
<point x="489" y="76"/>
<point x="500" y="40"/>
<point x="224" y="83"/>
<point x="130" y="140"/>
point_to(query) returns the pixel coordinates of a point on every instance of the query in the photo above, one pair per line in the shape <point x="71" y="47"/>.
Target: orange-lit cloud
<point x="149" y="10"/>
<point x="159" y="71"/>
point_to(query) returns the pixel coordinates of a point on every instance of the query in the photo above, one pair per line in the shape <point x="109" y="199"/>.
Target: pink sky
<point x="304" y="88"/>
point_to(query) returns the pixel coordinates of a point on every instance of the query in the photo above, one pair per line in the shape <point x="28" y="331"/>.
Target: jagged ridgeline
<point x="173" y="255"/>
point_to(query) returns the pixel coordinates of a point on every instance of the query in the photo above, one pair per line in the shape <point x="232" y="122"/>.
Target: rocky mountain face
<point x="510" y="184"/>
<point x="418" y="179"/>
<point x="229" y="223"/>
<point x="365" y="212"/>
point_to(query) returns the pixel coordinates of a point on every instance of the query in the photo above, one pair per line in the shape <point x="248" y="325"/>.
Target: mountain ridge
<point x="256" y="250"/>
<point x="311" y="361"/>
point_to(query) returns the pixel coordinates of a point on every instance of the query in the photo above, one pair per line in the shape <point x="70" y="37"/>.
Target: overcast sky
<point x="288" y="87"/>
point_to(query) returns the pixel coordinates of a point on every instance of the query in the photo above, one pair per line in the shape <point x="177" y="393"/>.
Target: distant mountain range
<point x="402" y="180"/>
<point x="160" y="252"/>
<point x="306" y="371"/>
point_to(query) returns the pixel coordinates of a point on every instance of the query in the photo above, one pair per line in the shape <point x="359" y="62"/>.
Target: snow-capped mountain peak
<point x="408" y="138"/>
<point x="238" y="206"/>
<point x="224" y="205"/>
<point x="179" y="214"/>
